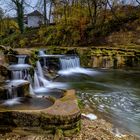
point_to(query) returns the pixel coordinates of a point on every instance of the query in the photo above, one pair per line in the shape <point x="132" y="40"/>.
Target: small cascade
<point x="11" y="102"/>
<point x="40" y="79"/>
<point x="39" y="69"/>
<point x="71" y="65"/>
<point x="21" y="59"/>
<point x="44" y="81"/>
<point x="31" y="90"/>
<point x="11" y="92"/>
<point x="69" y="62"/>
<point x="17" y="75"/>
<point x="36" y="81"/>
<point x="20" y="74"/>
<point x="41" y="52"/>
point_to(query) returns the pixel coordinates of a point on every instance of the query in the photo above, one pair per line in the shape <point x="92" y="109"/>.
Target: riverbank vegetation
<point x="78" y="23"/>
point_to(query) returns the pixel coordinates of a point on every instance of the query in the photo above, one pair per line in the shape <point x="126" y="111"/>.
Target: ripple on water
<point x="123" y="106"/>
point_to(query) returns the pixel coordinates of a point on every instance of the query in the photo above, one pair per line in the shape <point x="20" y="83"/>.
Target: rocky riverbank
<point x="91" y="130"/>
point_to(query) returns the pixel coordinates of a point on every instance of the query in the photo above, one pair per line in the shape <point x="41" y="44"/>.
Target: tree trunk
<point x="50" y="12"/>
<point x="90" y="12"/>
<point x="20" y="13"/>
<point x="20" y="16"/>
<point x="45" y="14"/>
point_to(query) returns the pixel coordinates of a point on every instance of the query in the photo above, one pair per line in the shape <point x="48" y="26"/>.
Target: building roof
<point x="35" y="13"/>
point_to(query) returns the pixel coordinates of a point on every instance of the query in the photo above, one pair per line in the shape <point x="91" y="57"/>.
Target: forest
<point x="75" y="22"/>
<point x="69" y="69"/>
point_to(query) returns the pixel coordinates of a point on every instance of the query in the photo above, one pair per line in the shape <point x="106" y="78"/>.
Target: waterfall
<point x="40" y="77"/>
<point x="41" y="52"/>
<point x="21" y="59"/>
<point x="31" y="90"/>
<point x="11" y="92"/>
<point x="39" y="69"/>
<point x="17" y="75"/>
<point x="36" y="81"/>
<point x="20" y="74"/>
<point x="44" y="81"/>
<point x="71" y="65"/>
<point x="69" y="62"/>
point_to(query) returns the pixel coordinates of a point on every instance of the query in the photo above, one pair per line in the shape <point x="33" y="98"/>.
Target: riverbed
<point x="112" y="94"/>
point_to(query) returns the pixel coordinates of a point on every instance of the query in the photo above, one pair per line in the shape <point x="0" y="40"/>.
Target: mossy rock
<point x="11" y="59"/>
<point x="4" y="72"/>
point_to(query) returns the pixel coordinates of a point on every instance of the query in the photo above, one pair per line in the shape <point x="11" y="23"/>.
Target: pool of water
<point x="113" y="93"/>
<point x="22" y="103"/>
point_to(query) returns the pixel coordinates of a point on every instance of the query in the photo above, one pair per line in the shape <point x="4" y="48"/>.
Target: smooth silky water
<point x="114" y="94"/>
<point x="22" y="103"/>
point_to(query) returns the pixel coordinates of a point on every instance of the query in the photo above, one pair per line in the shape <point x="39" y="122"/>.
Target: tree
<point x="1" y="13"/>
<point x="19" y="4"/>
<point x="45" y="13"/>
<point x="138" y="2"/>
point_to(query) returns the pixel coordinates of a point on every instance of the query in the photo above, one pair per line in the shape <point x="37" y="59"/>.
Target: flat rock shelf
<point x="63" y="115"/>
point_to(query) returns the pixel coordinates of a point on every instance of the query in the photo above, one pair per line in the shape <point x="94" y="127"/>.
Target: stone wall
<point x="102" y="57"/>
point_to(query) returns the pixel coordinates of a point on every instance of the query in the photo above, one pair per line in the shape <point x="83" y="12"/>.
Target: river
<point x="114" y="94"/>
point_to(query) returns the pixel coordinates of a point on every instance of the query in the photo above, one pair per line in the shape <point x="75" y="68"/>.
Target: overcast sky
<point x="6" y="8"/>
<point x="33" y="3"/>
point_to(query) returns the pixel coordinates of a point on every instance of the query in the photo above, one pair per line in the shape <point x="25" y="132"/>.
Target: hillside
<point x="123" y="31"/>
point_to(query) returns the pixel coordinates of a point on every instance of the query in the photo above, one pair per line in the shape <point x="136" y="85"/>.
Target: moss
<point x="53" y="99"/>
<point x="23" y="42"/>
<point x="80" y="103"/>
<point x="58" y="134"/>
<point x="33" y="58"/>
<point x="69" y="133"/>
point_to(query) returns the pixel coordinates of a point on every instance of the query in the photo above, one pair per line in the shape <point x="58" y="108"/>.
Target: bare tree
<point x="19" y="4"/>
<point x="1" y="13"/>
<point x="138" y="2"/>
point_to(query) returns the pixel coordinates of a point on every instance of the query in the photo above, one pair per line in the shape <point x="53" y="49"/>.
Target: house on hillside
<point x="34" y="19"/>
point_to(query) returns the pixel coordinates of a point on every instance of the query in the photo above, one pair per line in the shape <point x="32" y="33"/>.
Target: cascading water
<point x="40" y="79"/>
<point x="36" y="81"/>
<point x="9" y="93"/>
<point x="12" y="92"/>
<point x="71" y="65"/>
<point x="41" y="52"/>
<point x="17" y="75"/>
<point x="39" y="69"/>
<point x="21" y="59"/>
<point x="41" y="84"/>
<point x="20" y="74"/>
<point x="114" y="94"/>
<point x="13" y="96"/>
<point x="69" y="62"/>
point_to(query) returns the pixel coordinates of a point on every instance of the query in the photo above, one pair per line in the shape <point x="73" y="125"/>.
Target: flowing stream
<point x="114" y="94"/>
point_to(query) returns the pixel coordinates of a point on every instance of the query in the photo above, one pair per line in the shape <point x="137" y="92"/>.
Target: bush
<point x="23" y="42"/>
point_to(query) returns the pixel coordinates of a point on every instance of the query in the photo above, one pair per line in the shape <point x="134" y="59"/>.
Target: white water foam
<point x="57" y="85"/>
<point x="16" y="82"/>
<point x="19" y="66"/>
<point x="11" y="102"/>
<point x="77" y="70"/>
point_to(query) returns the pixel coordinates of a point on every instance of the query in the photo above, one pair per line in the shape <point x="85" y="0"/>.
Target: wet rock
<point x="4" y="72"/>
<point x="64" y="114"/>
<point x="11" y="59"/>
